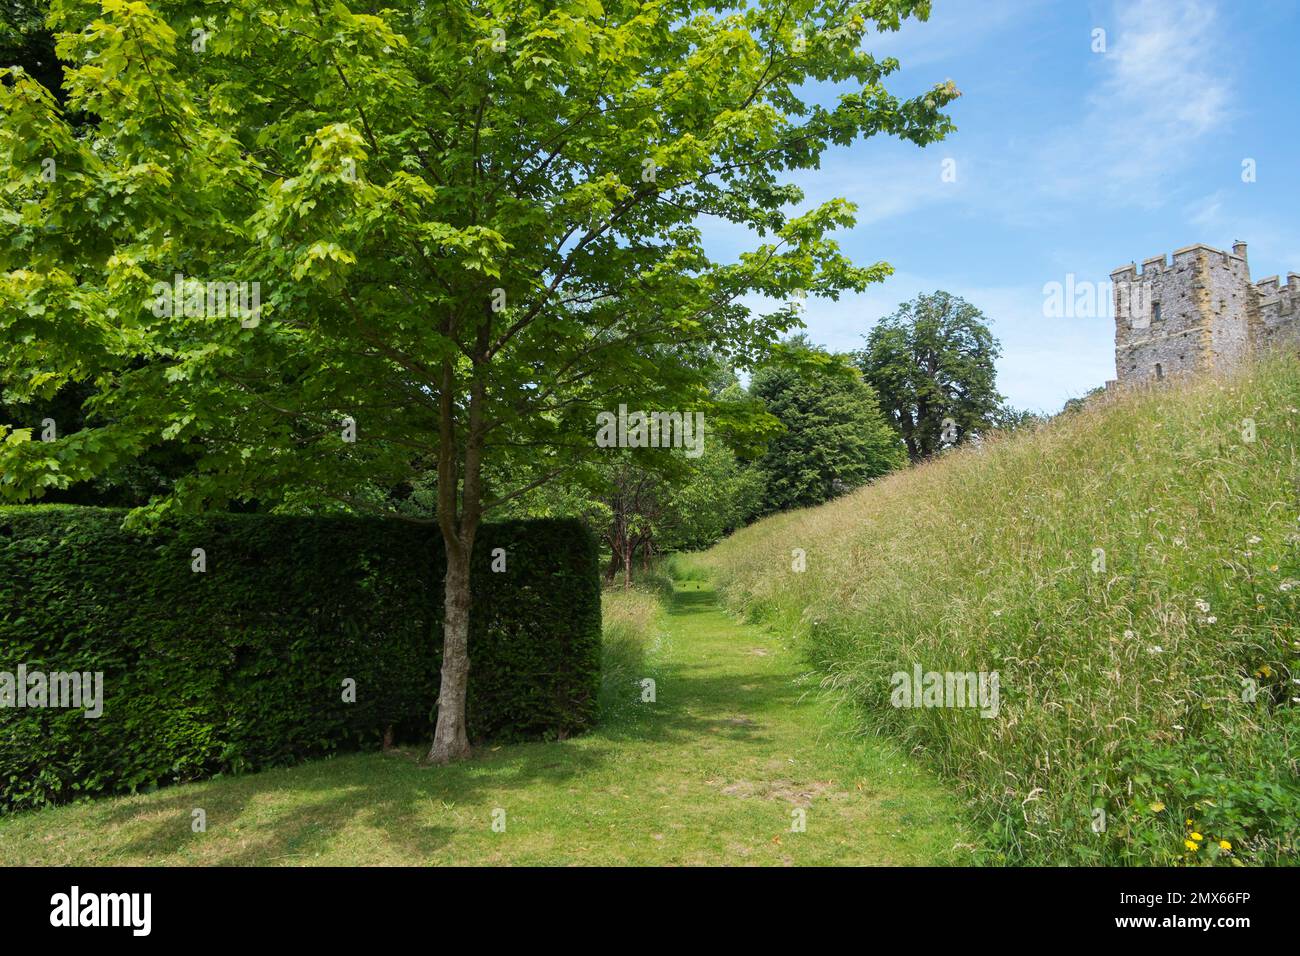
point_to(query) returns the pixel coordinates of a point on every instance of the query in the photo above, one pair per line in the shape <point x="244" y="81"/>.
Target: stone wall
<point x="1279" y="311"/>
<point x="1198" y="313"/>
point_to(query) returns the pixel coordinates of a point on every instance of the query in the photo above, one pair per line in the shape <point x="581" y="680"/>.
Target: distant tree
<point x="932" y="364"/>
<point x="1008" y="418"/>
<point x="835" y="436"/>
<point x="1078" y="404"/>
<point x="719" y="495"/>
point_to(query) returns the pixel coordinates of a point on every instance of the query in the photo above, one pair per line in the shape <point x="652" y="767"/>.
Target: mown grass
<point x="711" y="772"/>
<point x="1125" y="686"/>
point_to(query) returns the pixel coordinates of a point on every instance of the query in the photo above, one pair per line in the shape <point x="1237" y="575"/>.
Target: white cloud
<point x="886" y="187"/>
<point x="1163" y="89"/>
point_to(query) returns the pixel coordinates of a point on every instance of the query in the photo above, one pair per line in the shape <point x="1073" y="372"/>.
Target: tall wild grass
<point x="630" y="627"/>
<point x="1131" y="570"/>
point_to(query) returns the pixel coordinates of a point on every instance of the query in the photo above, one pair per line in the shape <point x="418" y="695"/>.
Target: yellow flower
<point x="1157" y="807"/>
<point x="1197" y="836"/>
<point x="1191" y="846"/>
<point x="1188" y="822"/>
<point x="1225" y="846"/>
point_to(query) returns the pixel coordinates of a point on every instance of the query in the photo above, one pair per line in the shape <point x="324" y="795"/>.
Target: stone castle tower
<point x="1199" y="314"/>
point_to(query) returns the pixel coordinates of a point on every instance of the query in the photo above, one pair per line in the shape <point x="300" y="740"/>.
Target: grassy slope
<point x="707" y="774"/>
<point x="1119" y="691"/>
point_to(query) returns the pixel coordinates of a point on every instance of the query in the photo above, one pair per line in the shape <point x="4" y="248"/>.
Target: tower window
<point x="1155" y="313"/>
<point x="1160" y="371"/>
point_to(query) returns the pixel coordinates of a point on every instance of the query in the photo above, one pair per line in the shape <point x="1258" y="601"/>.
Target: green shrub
<point x="243" y="666"/>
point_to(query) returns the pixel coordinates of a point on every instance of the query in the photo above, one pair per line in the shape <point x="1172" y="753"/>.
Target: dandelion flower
<point x="1225" y="846"/>
<point x="1197" y="837"/>
<point x="1191" y="846"/>
<point x="1157" y="807"/>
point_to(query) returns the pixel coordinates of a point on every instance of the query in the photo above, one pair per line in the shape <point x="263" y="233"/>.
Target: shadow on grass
<point x="294" y="814"/>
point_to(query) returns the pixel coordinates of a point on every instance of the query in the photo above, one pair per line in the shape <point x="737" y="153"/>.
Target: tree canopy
<point x="333" y="246"/>
<point x="834" y="436"/>
<point x="931" y="361"/>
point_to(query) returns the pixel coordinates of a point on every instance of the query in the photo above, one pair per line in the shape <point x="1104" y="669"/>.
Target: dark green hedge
<point x="242" y="666"/>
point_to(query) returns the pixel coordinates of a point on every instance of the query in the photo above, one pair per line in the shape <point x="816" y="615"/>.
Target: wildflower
<point x="1129" y="634"/>
<point x="1197" y="837"/>
<point x="1254" y="539"/>
<point x="1191" y="846"/>
<point x="1155" y="649"/>
<point x="1211" y="619"/>
<point x="1157" y="807"/>
<point x="1225" y="846"/>
<point x="1188" y="822"/>
<point x="1202" y="606"/>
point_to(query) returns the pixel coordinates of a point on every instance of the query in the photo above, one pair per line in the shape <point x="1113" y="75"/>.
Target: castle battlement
<point x="1188" y="253"/>
<point x="1186" y="256"/>
<point x="1270" y="285"/>
<point x="1279" y="306"/>
<point x="1198" y="312"/>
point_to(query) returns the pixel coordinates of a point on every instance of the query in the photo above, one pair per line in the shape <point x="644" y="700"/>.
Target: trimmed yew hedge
<point x="243" y="666"/>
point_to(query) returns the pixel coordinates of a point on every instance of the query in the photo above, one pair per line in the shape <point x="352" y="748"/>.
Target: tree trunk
<point x="627" y="563"/>
<point x="450" y="739"/>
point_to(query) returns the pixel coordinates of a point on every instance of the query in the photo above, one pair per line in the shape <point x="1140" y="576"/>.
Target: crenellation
<point x="1199" y="313"/>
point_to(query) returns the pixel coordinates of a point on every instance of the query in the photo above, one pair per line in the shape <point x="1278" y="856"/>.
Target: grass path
<point x="707" y="774"/>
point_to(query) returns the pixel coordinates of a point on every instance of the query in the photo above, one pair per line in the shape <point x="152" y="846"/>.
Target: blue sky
<point x="1068" y="161"/>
